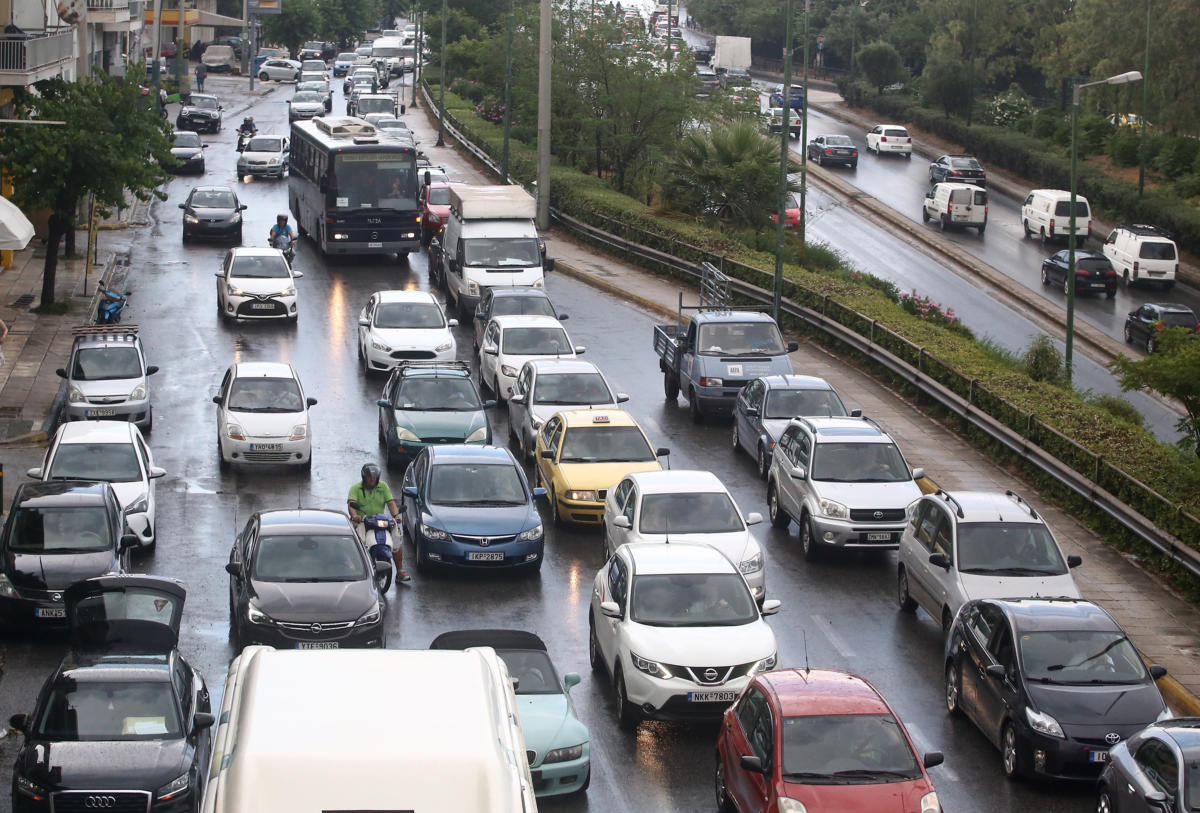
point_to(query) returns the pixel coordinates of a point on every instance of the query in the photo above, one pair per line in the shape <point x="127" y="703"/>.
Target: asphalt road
<point x="839" y="613"/>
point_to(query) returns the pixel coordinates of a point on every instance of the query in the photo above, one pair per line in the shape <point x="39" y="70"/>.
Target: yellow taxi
<point x="581" y="453"/>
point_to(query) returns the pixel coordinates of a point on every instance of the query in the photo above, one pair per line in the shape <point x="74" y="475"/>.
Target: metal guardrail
<point x="906" y="361"/>
<point x="36" y="51"/>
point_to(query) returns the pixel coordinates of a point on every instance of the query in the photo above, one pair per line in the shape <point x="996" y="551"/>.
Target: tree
<point x="112" y="141"/>
<point x="947" y="85"/>
<point x="880" y="61"/>
<point x="1173" y="370"/>
<point x="297" y="22"/>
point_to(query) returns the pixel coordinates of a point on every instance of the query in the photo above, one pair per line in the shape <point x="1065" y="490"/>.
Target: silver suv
<point x="844" y="482"/>
<point x="106" y="376"/>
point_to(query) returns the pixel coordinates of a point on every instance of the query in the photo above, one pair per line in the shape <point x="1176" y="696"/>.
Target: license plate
<point x="100" y="413"/>
<point x="374" y="245"/>
<point x="711" y="697"/>
<point x="317" y="645"/>
<point x="265" y="447"/>
<point x="960" y="217"/>
<point x="490" y="556"/>
<point x="1097" y="756"/>
<point x="879" y="537"/>
<point x="262" y="306"/>
<point x="50" y="612"/>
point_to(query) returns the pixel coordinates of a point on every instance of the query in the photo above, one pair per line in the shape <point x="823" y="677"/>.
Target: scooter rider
<point x="282" y="227"/>
<point x="248" y="127"/>
<point x="372" y="496"/>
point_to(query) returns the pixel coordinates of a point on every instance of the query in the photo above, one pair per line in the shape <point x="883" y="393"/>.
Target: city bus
<point x="351" y="189"/>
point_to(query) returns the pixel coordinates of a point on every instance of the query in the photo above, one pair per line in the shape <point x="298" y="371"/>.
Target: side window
<point x="1112" y="238"/>
<point x="982" y="620"/>
<point x="181" y="676"/>
<point x="748" y="710"/>
<point x="802" y="450"/>
<point x="143" y="453"/>
<point x="941" y="542"/>
<point x="789" y="440"/>
<point x="1003" y="651"/>
<point x="556" y="439"/>
<point x="1157" y="762"/>
<point x="1029" y="200"/>
<point x="925" y="525"/>
<point x="618" y="581"/>
<point x="548" y="431"/>
<point x="224" y="390"/>
<point x="763" y="738"/>
<point x="524" y="380"/>
<point x="691" y="336"/>
<point x="621" y="493"/>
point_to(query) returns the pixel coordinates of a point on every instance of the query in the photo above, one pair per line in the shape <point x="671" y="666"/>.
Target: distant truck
<point x="489" y="241"/>
<point x="710" y="357"/>
<point x="731" y="53"/>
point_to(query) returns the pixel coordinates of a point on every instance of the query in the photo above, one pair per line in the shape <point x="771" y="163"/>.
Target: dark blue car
<point x="471" y="507"/>
<point x="797" y="97"/>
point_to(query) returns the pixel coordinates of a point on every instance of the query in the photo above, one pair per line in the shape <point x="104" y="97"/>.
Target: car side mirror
<point x="489" y="403"/>
<point x="491" y="349"/>
<point x="243" y="207"/>
<point x="481" y="316"/>
<point x="233" y="568"/>
<point x="1158" y="671"/>
<point x="516" y="398"/>
<point x="452" y="322"/>
<point x="793" y="346"/>
<point x="547" y="265"/>
<point x="752" y="412"/>
<point x="939" y="560"/>
<point x="183" y="206"/>
<point x="754" y="518"/>
<point x="156" y="472"/>
<point x="383" y="568"/>
<point x="204" y="146"/>
<point x="622" y="522"/>
<point x="997" y="670"/>
<point x="622" y="397"/>
<point x="61" y="372"/>
<point x="856" y="413"/>
<point x="364" y="322"/>
<point x="34" y="474"/>
<point x="770" y="606"/>
<point x="410" y="491"/>
<point x="383" y="402"/>
<point x="311" y="401"/>
<point x="918" y="473"/>
<point x="297" y="274"/>
<point x="538" y="491"/>
<point x="202" y="720"/>
<point x="610" y="609"/>
<point x="798" y="472"/>
<point x="751" y="763"/>
<point x="129" y="542"/>
<point x="547" y="454"/>
<point x="932" y="759"/>
<point x="1074" y="560"/>
<point x="571" y="679"/>
<point x="218" y="274"/>
<point x="580" y="349"/>
<point x="562" y="317"/>
<point x="217" y="400"/>
<point x="152" y="369"/>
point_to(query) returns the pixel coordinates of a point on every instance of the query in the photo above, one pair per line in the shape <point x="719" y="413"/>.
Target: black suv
<point x="957" y="169"/>
<point x="201" y="112"/>
<point x="1144" y="324"/>
<point x="124" y="722"/>
<point x="58" y="532"/>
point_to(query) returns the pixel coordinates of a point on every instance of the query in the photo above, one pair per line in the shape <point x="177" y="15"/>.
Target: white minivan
<point x="956" y="205"/>
<point x="1141" y="253"/>
<point x="1047" y="214"/>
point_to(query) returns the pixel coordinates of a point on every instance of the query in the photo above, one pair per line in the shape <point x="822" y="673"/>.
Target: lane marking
<point x="826" y="629"/>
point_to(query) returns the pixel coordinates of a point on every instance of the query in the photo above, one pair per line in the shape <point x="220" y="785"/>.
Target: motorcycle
<point x="108" y="311"/>
<point x="284" y="243"/>
<point x="381" y="551"/>
<point x="244" y="137"/>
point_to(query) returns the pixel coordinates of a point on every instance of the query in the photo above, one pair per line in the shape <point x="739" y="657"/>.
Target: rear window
<point x="1179" y="319"/>
<point x="1157" y="251"/>
<point x="1094" y="263"/>
<point x="980" y="198"/>
<point x="1063" y="209"/>
<point x="961" y="197"/>
<point x="896" y="132"/>
<point x="964" y="163"/>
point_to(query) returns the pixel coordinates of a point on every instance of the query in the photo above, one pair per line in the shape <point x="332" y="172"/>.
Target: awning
<point x="212" y="18"/>
<point x="15" y="229"/>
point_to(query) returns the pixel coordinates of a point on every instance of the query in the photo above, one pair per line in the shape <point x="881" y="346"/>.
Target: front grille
<point x="709" y="675"/>
<point x="464" y="539"/>
<point x="107" y="399"/>
<point x="602" y="494"/>
<point x="112" y="801"/>
<point x="531" y="756"/>
<point x="267" y="457"/>
<point x="41" y="595"/>
<point x="247" y="308"/>
<point x="413" y="354"/>
<point x="303" y="630"/>
<point x="441" y="441"/>
<point x="877" y="514"/>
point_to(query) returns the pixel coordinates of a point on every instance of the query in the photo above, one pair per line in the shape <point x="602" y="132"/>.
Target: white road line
<point x="826" y="629"/>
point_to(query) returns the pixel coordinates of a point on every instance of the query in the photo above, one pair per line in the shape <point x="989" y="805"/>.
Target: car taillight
<point x="908" y="140"/>
<point x="828" y="151"/>
<point x="1135" y="266"/>
<point x="883" y="139"/>
<point x="854" y="151"/>
<point x="955" y="172"/>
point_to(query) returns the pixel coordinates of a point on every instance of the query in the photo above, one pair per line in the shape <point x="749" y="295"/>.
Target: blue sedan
<point x="471" y="507"/>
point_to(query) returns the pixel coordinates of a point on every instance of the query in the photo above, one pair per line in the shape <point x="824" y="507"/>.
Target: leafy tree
<point x="112" y="141"/>
<point x="1173" y="370"/>
<point x="298" y="22"/>
<point x="947" y="85"/>
<point x="880" y="61"/>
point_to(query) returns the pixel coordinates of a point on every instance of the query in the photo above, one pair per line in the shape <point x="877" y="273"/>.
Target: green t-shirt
<point x="373" y="501"/>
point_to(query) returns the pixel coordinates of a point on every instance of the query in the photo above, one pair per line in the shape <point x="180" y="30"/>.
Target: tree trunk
<point x="69" y="233"/>
<point x="57" y="227"/>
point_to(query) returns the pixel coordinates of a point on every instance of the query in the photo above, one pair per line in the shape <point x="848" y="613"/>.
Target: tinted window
<point x="106" y="363"/>
<point x="111" y="462"/>
<point x="1096" y="264"/>
<point x="606" y="444"/>
<point x="518" y="305"/>
<point x="1176" y="318"/>
<point x="532" y="670"/>
<point x="293" y="558"/>
<point x="692" y="600"/>
<point x="260" y="266"/>
<point x="1080" y="657"/>
<point x="1063" y="208"/>
<point x="414" y="315"/>
<point x="265" y="395"/>
<point x="572" y="388"/>
<point x="60" y="530"/>
<point x="847" y="748"/>
<point x="213" y="199"/>
<point x="964" y="163"/>
<point x="1157" y="761"/>
<point x="470" y="484"/>
<point x="740" y="339"/>
<point x="1153" y="250"/>
<point x="859" y="463"/>
<point x="437" y="394"/>
<point x="791" y="403"/>
<point x="713" y="512"/>
<point x="536" y="341"/>
<point x="79" y="711"/>
<point x="441" y="197"/>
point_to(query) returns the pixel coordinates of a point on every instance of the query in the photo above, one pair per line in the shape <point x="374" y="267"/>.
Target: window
<point x="748" y="710"/>
<point x="1157" y="761"/>
<point x="181" y="676"/>
<point x="523" y="381"/>
<point x="982" y="620"/>
<point x="621" y="493"/>
<point x="618" y="582"/>
<point x="942" y="532"/>
<point x="1002" y="650"/>
<point x="925" y="525"/>
<point x="802" y="449"/>
<point x="548" y="432"/>
<point x="788" y="441"/>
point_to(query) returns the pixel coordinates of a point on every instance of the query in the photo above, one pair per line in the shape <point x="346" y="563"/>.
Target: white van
<point x="309" y="731"/>
<point x="1047" y="213"/>
<point x="389" y="52"/>
<point x="956" y="205"/>
<point x="1141" y="253"/>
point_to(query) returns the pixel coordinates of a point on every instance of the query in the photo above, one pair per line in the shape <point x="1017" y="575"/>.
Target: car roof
<point x="116" y="337"/>
<point x="588" y="417"/>
<point x="1167" y="307"/>
<point x="445" y="370"/>
<point x="255" y="251"/>
<point x="654" y="558"/>
<point x="839" y="429"/>
<point x="462" y="453"/>
<point x="894" y="126"/>
<point x="561" y="365"/>
<point x="406" y="296"/>
<point x="988" y="506"/>
<point x="263" y="369"/>
<point x="520" y="291"/>
<point x="1185" y="731"/>
<point x="305" y="520"/>
<point x="814" y="692"/>
<point x="1055" y="194"/>
<point x="735" y="316"/>
<point x="675" y="481"/>
<point x="1037" y="614"/>
<point x="60" y="492"/>
<point x="521" y="320"/>
<point x="498" y="639"/>
<point x="795" y="382"/>
<point x="116" y="667"/>
<point x="212" y="188"/>
<point x="96" y="432"/>
<point x="955" y="186"/>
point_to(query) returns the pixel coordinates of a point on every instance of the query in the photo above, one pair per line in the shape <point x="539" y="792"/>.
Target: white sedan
<point x="114" y="452"/>
<point x="262" y="416"/>
<point x="279" y="70"/>
<point x="256" y="283"/>
<point x="890" y="138"/>
<point x="403" y="325"/>
<point x="546" y="386"/>
<point x="684" y="506"/>
<point x="510" y="341"/>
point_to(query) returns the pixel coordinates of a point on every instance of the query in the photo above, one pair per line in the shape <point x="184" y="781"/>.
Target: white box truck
<point x="490" y="241"/>
<point x="311" y="731"/>
<point x="731" y="53"/>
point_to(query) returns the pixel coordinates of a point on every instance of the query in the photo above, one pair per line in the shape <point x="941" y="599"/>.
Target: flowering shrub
<point x="490" y="109"/>
<point x="925" y="308"/>
<point x="1009" y="107"/>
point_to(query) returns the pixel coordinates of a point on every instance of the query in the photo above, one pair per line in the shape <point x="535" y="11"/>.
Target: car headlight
<point x="444" y="346"/>
<point x="537" y="283"/>
<point x="27" y="787"/>
<point x="752" y="565"/>
<point x="371" y="616"/>
<point x="929" y="803"/>
<point x="139" y="506"/>
<point x="190" y="219"/>
<point x="653" y="668"/>
<point x="478" y="436"/>
<point x="407" y="434"/>
<point x="139" y="393"/>
<point x="257" y="616"/>
<point x="173" y="788"/>
<point x="380" y="346"/>
<point x="237" y="218"/>
<point x="233" y="290"/>
<point x="834" y="509"/>
<point x="234" y="432"/>
<point x="6" y="588"/>
<point x="581" y="496"/>
<point x="508" y="370"/>
<point x="299" y="432"/>
<point x="563" y="754"/>
<point x="765" y="665"/>
<point x="433" y="533"/>
<point x="533" y="533"/>
<point x="793" y="806"/>
<point x="288" y="291"/>
<point x="274" y="162"/>
<point x="1043" y="723"/>
<point x="75" y="395"/>
<point x="473" y="288"/>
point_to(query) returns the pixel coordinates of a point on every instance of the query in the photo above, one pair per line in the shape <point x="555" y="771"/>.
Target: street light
<point x="1119" y="79"/>
<point x="784" y="155"/>
<point x="441" y="139"/>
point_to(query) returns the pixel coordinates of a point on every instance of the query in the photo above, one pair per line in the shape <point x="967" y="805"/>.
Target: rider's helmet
<point x="370" y="472"/>
<point x="281" y="219"/>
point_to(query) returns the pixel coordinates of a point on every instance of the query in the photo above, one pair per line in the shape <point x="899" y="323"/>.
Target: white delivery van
<point x="388" y="52"/>
<point x="310" y="731"/>
<point x="956" y="205"/>
<point x="490" y="241"/>
<point x="1143" y="254"/>
<point x="1047" y="214"/>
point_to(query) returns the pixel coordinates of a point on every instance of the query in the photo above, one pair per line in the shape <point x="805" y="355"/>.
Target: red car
<point x="791" y="215"/>
<point x="434" y="208"/>
<point x="819" y="741"/>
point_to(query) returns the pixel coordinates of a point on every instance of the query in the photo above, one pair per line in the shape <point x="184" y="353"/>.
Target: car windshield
<point x="374" y="106"/>
<point x="441" y="197"/>
<point x="585" y="389"/>
<point x="532" y="671"/>
<point x="859" y="463"/>
<point x="213" y="199"/>
<point x="307" y="97"/>
<point x="204" y="102"/>
<point x="346" y="57"/>
<point x="187" y="139"/>
<point x="106" y="364"/>
<point x="839" y="141"/>
<point x="692" y="600"/>
<point x="506" y="252"/>
<point x="412" y="315"/>
<point x="376" y="180"/>
<point x="694" y="513"/>
<point x="808" y="403"/>
<point x="740" y="339"/>
<point x="81" y="711"/>
<point x="110" y="462"/>
<point x="1080" y="657"/>
<point x="60" y="530"/>
<point x="260" y="266"/>
<point x="1008" y="548"/>
<point x="449" y="394"/>
<point x="536" y="341"/>
<point x="475" y="484"/>
<point x="520" y="305"/>
<point x="265" y="145"/>
<point x="302" y="558"/>
<point x="364" y="51"/>
<point x="1154" y="250"/>
<point x="847" y="749"/>
<point x="605" y="444"/>
<point x="254" y="394"/>
<point x="313" y="45"/>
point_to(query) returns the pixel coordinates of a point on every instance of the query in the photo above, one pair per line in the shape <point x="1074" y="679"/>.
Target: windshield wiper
<point x="578" y="460"/>
<point x="869" y="772"/>
<point x="1058" y="667"/>
<point x="1022" y="571"/>
<point x="812" y="775"/>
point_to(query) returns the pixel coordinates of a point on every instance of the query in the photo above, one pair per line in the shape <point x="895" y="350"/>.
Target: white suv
<point x="844" y="482"/>
<point x="978" y="544"/>
<point x="677" y="628"/>
<point x="262" y="416"/>
<point x="1143" y="254"/>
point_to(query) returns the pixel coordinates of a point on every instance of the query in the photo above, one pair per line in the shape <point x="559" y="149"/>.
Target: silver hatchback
<point x="107" y="376"/>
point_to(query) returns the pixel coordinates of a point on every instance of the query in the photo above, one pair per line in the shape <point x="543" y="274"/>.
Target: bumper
<point x="903" y="149"/>
<point x="28" y="612"/>
<point x="190" y="165"/>
<point x="137" y="412"/>
<point x="379" y="360"/>
<point x="384" y="247"/>
<point x="259" y="170"/>
<point x="269" y="451"/>
<point x="661" y="699"/>
<point x="245" y="307"/>
<point x="198" y="124"/>
<point x="299" y="115"/>
<point x="848" y="534"/>
<point x="1055" y="758"/>
<point x="467" y="301"/>
<point x="212" y="231"/>
<point x="371" y="636"/>
<point x="406" y="451"/>
<point x="450" y="554"/>
<point x="183" y="803"/>
<point x="716" y="399"/>
<point x="559" y="778"/>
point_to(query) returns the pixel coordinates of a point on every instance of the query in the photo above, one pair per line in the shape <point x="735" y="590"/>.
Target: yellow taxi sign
<point x="599" y="419"/>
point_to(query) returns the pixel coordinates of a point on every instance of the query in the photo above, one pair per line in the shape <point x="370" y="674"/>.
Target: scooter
<point x="381" y="550"/>
<point x="284" y="243"/>
<point x="108" y="312"/>
<point x="244" y="137"/>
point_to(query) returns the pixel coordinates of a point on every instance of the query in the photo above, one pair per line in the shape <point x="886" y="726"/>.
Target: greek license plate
<point x="374" y="245"/>
<point x="711" y="697"/>
<point x="317" y="645"/>
<point x="490" y="556"/>
<point x="879" y="537"/>
<point x="1097" y="756"/>
<point x="50" y="612"/>
<point x="100" y="413"/>
<point x="265" y="447"/>
<point x="262" y="306"/>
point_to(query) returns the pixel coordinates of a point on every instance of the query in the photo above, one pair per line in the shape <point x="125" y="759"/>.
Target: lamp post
<point x="803" y="226"/>
<point x="784" y="155"/>
<point x="1119" y="79"/>
<point x="1145" y="105"/>
<point x="507" y="92"/>
<point x="441" y="141"/>
<point x="416" y="50"/>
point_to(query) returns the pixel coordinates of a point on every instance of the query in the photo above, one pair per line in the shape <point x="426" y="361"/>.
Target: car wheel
<point x="221" y="461"/>
<point x="422" y="563"/>
<point x="186" y="238"/>
<point x="1104" y="803"/>
<point x="1125" y="278"/>
<point x="1025" y="226"/>
<point x="1128" y="334"/>
<point x="764" y="464"/>
<point x="238" y="237"/>
<point x="981" y="229"/>
<point x="821" y="159"/>
<point x="1110" y="293"/>
<point x="942" y="223"/>
<point x="264" y="77"/>
<point x="1010" y="754"/>
<point x="1066" y="284"/>
<point x="627" y="713"/>
<point x="908" y="156"/>
<point x="724" y="803"/>
<point x="902" y="595"/>
<point x="1042" y="237"/>
<point x="670" y="387"/>
<point x="924" y="214"/>
<point x="1045" y="277"/>
<point x="734" y="440"/>
<point x="594" y="658"/>
<point x="854" y="165"/>
<point x="555" y="516"/>
<point x="496" y="390"/>
<point x="777" y="513"/>
<point x="695" y="408"/>
<point x="1149" y="344"/>
<point x="808" y="542"/>
<point x="953" y="694"/>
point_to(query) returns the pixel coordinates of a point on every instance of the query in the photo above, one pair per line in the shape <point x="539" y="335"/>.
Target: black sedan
<point x="1146" y="773"/>
<point x="188" y="152"/>
<point x="957" y="169"/>
<point x="1093" y="273"/>
<point x="124" y="722"/>
<point x="1144" y="324"/>
<point x="512" y="302"/>
<point x="833" y="149"/>
<point x="1054" y="683"/>
<point x="201" y="112"/>
<point x="300" y="579"/>
<point x="212" y="212"/>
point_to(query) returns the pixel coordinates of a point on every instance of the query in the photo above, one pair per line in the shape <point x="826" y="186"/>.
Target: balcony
<point x="109" y="13"/>
<point x="35" y="56"/>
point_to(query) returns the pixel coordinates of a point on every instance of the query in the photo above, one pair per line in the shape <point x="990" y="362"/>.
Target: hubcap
<point x="1010" y="751"/>
<point x="951" y="689"/>
<point x="720" y="773"/>
<point x="774" y="504"/>
<point x="733" y="438"/>
<point x="1104" y="805"/>
<point x="903" y="587"/>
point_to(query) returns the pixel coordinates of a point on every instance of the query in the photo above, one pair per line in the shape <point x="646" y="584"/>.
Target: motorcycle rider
<point x="373" y="495"/>
<point x="248" y="127"/>
<point x="281" y="228"/>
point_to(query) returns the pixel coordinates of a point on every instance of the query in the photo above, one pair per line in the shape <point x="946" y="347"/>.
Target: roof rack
<point x="1146" y="230"/>
<point x="95" y="330"/>
<point x="945" y="495"/>
<point x="1021" y="501"/>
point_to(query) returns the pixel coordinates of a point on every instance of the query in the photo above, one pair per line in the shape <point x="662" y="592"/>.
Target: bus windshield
<point x="379" y="181"/>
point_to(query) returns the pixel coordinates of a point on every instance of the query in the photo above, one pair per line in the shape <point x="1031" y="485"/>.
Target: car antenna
<point x="804" y="634"/>
<point x="667" y="519"/>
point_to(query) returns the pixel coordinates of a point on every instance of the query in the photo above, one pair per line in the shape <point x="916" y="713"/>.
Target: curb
<point x="611" y="287"/>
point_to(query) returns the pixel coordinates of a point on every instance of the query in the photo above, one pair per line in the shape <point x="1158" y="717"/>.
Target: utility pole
<point x="156" y="83"/>
<point x="508" y="91"/>
<point x="416" y="51"/>
<point x="784" y="156"/>
<point x="803" y="129"/>
<point x="545" y="42"/>
<point x="971" y="74"/>
<point x="1145" y="109"/>
<point x="441" y="141"/>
